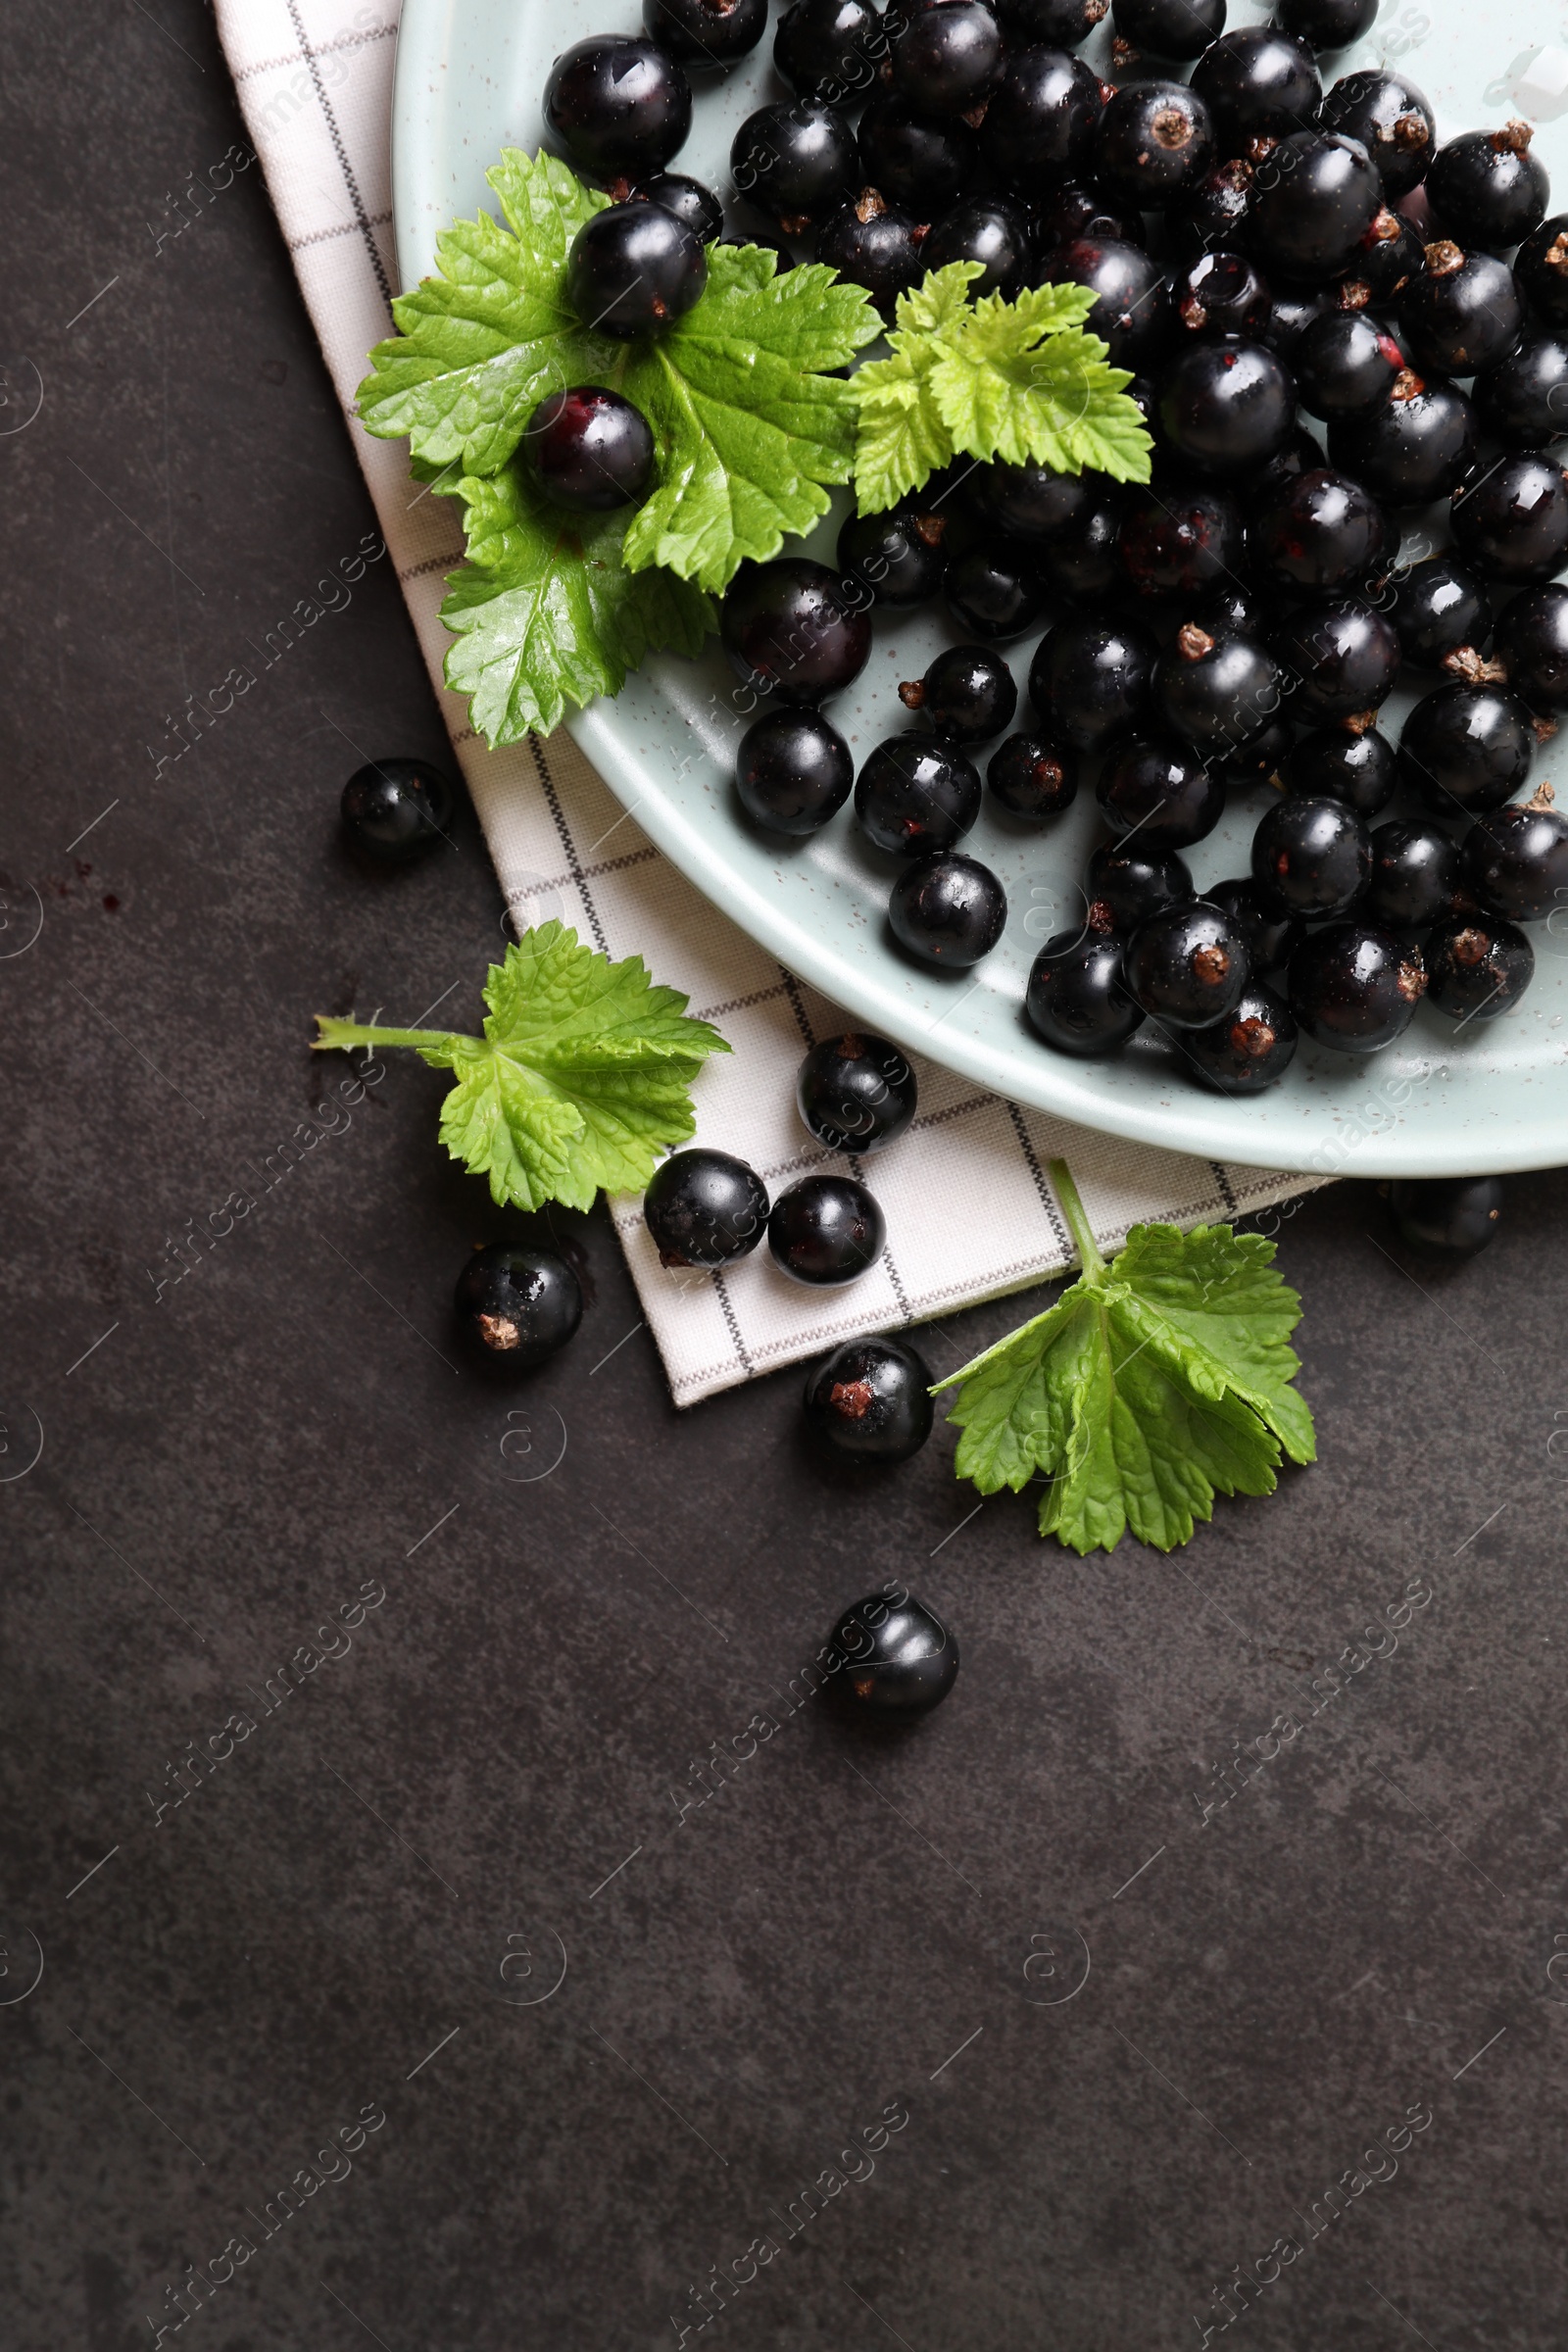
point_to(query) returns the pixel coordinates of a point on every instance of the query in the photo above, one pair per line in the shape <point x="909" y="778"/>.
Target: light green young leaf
<point x="1022" y="381"/>
<point x="900" y="438"/>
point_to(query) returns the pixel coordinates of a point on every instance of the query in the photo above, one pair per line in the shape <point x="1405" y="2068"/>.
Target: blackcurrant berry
<point x="1124" y="884"/>
<point x="1335" y="765"/>
<point x="947" y="910"/>
<point x="793" y="771"/>
<point x="689" y="201"/>
<point x="1077" y="209"/>
<point x="1437" y="606"/>
<point x="1227" y="408"/>
<point x="1524" y="398"/>
<point x="830" y="50"/>
<point x="1033" y="777"/>
<point x="1077" y="997"/>
<point x="1415" y="873"/>
<point x="1540" y="269"/>
<point x="1533" y="639"/>
<point x="395" y="810"/>
<point x="1393" y="122"/>
<point x="1343" y="657"/>
<point x="1257" y="84"/>
<point x="827" y="1230"/>
<point x="1261" y="758"/>
<point x="1419" y="446"/>
<point x="1311" y="857"/>
<point x="1031" y="502"/>
<point x="1211" y="218"/>
<point x="1181" y="28"/>
<point x="1161" y="791"/>
<point x="1446" y="1216"/>
<point x="856" y="1093"/>
<point x="988" y="230"/>
<point x="1345" y="364"/>
<point x="795" y="162"/>
<point x="1355" y="986"/>
<point x="1466" y="749"/>
<point x="873" y="244"/>
<point x="1271" y="937"/>
<point x="1250" y="1048"/>
<point x="1188" y="965"/>
<point x="704" y="33"/>
<point x="632" y="269"/>
<point x="1082" y="564"/>
<point x="516" y="1306"/>
<point x="1131" y="314"/>
<point x="1301" y="454"/>
<point x="1042" y="119"/>
<point x="1516" y="860"/>
<point x="916" y="793"/>
<point x="968" y="694"/>
<point x="1462" y="314"/>
<point x="1222" y="294"/>
<point x="870" y="1400"/>
<point x="1390" y="257"/>
<point x="1226" y="609"/>
<point x="899" y="1661"/>
<point x="704" y="1208"/>
<point x="898" y="558"/>
<point x="1157" y="141"/>
<point x="1325" y="531"/>
<point x="1295" y="310"/>
<point x="1326" y="24"/>
<point x="1477" y="966"/>
<point x="621" y="108"/>
<point x="1182" y="541"/>
<point x="924" y="165"/>
<point x="1091" y="680"/>
<point x="1512" y="524"/>
<point x="792" y="629"/>
<point x="1057" y="24"/>
<point x="1488" y="189"/>
<point x="1216" y="691"/>
<point x="1316" y="197"/>
<point x="995" y="589"/>
<point x="589" y="450"/>
<point x="944" y="60"/>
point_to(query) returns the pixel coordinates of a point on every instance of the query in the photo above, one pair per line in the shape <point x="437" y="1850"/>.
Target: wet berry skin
<point x="1252" y="1047"/>
<point x="1181" y="28"/>
<point x="900" y="1661"/>
<point x="923" y="162"/>
<point x="875" y="245"/>
<point x="967" y="693"/>
<point x="675" y="192"/>
<point x="1446" y="1216"/>
<point x="1540" y="269"/>
<point x="1257" y="83"/>
<point x="1513" y="524"/>
<point x="897" y="557"/>
<point x="1223" y="294"/>
<point x="1080" y="209"/>
<point x="870" y="1402"/>
<point x="1311" y="857"/>
<point x="1393" y="122"/>
<point x="1438" y="607"/>
<point x="1227" y="408"/>
<point x="1317" y="195"/>
<point x="790" y="628"/>
<point x="1042" y="119"/>
<point x="1091" y="680"/>
<point x="1211" y="218"/>
<point x="1487" y="188"/>
<point x="1160" y="791"/>
<point x="1524" y="398"/>
<point x="704" y="33"/>
<point x="948" y="910"/>
<point x="516" y="1306"/>
<point x="1343" y="654"/>
<point x="1033" y="779"/>
<point x="704" y="1208"/>
<point x="1156" y="140"/>
<point x="632" y="269"/>
<point x="1124" y="884"/>
<point x="826" y="1231"/>
<point x="1515" y="860"/>
<point x="1462" y="315"/>
<point x="1030" y="502"/>
<point x="589" y="450"/>
<point x="793" y="771"/>
<point x="1533" y="639"/>
<point x="995" y="590"/>
<point x="395" y="810"/>
<point x="1261" y="758"/>
<point x="1216" y="691"/>
<point x="1321" y="531"/>
<point x="621" y="108"/>
<point x="1417" y="447"/>
<point x="1180" y="542"/>
<point x="1271" y="937"/>
<point x="1478" y="966"/>
<point x="856" y="1093"/>
<point x="828" y="49"/>
<point x="1390" y="257"/>
<point x="1082" y="564"/>
<point x="1415" y="873"/>
<point x="795" y="162"/>
<point x="1466" y="749"/>
<point x="1327" y="23"/>
<point x="1356" y="987"/>
<point x="916" y="793"/>
<point x="1188" y="965"/>
<point x="1077" y="998"/>
<point x="1333" y="764"/>
<point x="946" y="59"/>
<point x="1345" y="364"/>
<point x="988" y="230"/>
<point x="1132" y="312"/>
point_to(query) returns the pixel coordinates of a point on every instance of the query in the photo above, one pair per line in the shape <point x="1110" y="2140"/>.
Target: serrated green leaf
<point x="1021" y="381"/>
<point x="900" y="438"/>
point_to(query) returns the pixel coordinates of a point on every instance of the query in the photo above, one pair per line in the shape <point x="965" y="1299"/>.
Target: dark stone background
<point x="244" y="1451"/>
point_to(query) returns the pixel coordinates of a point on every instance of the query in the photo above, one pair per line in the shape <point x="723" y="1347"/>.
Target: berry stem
<point x="336" y="1033"/>
<point x="1072" y="1209"/>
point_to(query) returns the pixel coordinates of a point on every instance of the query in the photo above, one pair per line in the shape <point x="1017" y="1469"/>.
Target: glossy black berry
<point x="896" y="558"/>
<point x="1157" y="141"/>
<point x="945" y="59"/>
<point x="1182" y="541"/>
<point x="1391" y="256"/>
<point x="1462" y="314"/>
<point x="870" y="1400"/>
<point x="995" y="589"/>
<point x="1301" y="453"/>
<point x="797" y="163"/>
<point x="516" y="1306"/>
<point x="1477" y="966"/>
<point x="1079" y="209"/>
<point x="830" y="49"/>
<point x="1311" y="857"/>
<point x="395" y="810"/>
<point x="1533" y="639"/>
<point x="1323" y="532"/>
<point x="1437" y="608"/>
<point x="1161" y="791"/>
<point x="1257" y="84"/>
<point x="1515" y="860"/>
<point x="1057" y="24"/>
<point x="793" y="771"/>
<point x="827" y="1230"/>
<point x="1091" y="680"/>
<point x="1315" y="198"/>
<point x="1446" y="1216"/>
<point x="1223" y="294"/>
<point x="1487" y="188"/>
<point x="705" y="34"/>
<point x="1124" y="884"/>
<point x="704" y="1208"/>
<point x="985" y="230"/>
<point x="1261" y="758"/>
<point x="632" y="269"/>
<point x="675" y="192"/>
<point x="1225" y="607"/>
<point x="1343" y="657"/>
<point x="1540" y="269"/>
<point x="589" y="450"/>
<point x="1030" y="502"/>
<point x="899" y="1660"/>
<point x="1346" y="364"/>
<point x="1131" y="314"/>
<point x="1415" y="872"/>
<point x="1326" y="24"/>
<point x="1512" y="524"/>
<point x="1211" y="217"/>
<point x="1180" y="29"/>
<point x="918" y="161"/>
<point x="873" y="244"/>
<point x="1077" y="997"/>
<point x="1216" y="691"/>
<point x="1356" y="987"/>
<point x="1269" y="936"/>
<point x="1466" y="749"/>
<point x="1188" y="965"/>
<point x="1033" y="777"/>
<point x="1082" y="564"/>
<point x="948" y="910"/>
<point x="1042" y="119"/>
<point x="1334" y="765"/>
<point x="1393" y="122"/>
<point x="621" y="108"/>
<point x="1524" y="398"/>
<point x="1419" y="446"/>
<point x="967" y="693"/>
<point x="856" y="1093"/>
<point x="1250" y="1048"/>
<point x="792" y="628"/>
<point x="1227" y="408"/>
<point x="916" y="793"/>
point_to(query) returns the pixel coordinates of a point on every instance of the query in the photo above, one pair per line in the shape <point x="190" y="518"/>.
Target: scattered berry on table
<point x="924" y="165"/>
<point x="1227" y="408"/>
<point x="899" y="1660"/>
<point x="1042" y="119"/>
<point x="395" y="810"/>
<point x="1512" y="524"/>
<point x="1216" y="691"/>
<point x="987" y="230"/>
<point x="870" y="1400"/>
<point x="517" y="1305"/>
<point x="1155" y="142"/>
<point x="1533" y="639"/>
<point x="1437" y="608"/>
<point x="704" y="1208"/>
<point x="1524" y="397"/>
<point x="1320" y="531"/>
<point x="1181" y="543"/>
<point x="1316" y="196"/>
<point x="1419" y="445"/>
<point x="1222" y="294"/>
<point x="1343" y="657"/>
<point x="1091" y="680"/>
<point x="856" y="1093"/>
<point x="1078" y="208"/>
<point x="1462" y="314"/>
<point x="1446" y="1216"/>
<point x="826" y="1231"/>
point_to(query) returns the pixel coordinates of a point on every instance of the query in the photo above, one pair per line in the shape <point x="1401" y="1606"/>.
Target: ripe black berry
<point x="1345" y="364"/>
<point x="1487" y="188"/>
<point x="790" y="628"/>
<point x="1446" y="1216"/>
<point x="1462" y="314"/>
<point x="1316" y="197"/>
<point x="1156" y="140"/>
<point x="1466" y="749"/>
<point x="675" y="192"/>
<point x="1323" y="532"/>
<point x="1516" y="860"/>
<point x="830" y="49"/>
<point x="1512" y="524"/>
<point x="1540" y="269"/>
<point x="1091" y="680"/>
<point x="1327" y="23"/>
<point x="1042" y="119"/>
<point x="1477" y="966"/>
<point x="1335" y="765"/>
<point x="1415" y="872"/>
<point x="1355" y="986"/>
<point x="1216" y="691"/>
<point x="898" y="558"/>
<point x="1227" y="408"/>
<point x="947" y="910"/>
<point x="704" y="1208"/>
<point x="1181" y="28"/>
<point x="1077" y="997"/>
<point x="1296" y="309"/>
<point x="1222" y="294"/>
<point x="922" y="164"/>
<point x="1078" y="209"/>
<point x="515" y="1305"/>
<point x="1393" y="122"/>
<point x="1343" y="657"/>
<point x="1524" y="398"/>
<point x="1180" y="542"/>
<point x="632" y="269"/>
<point x="827" y="1230"/>
<point x="1211" y="218"/>
<point x="795" y="162"/>
<point x="1417" y="447"/>
<point x="967" y="693"/>
<point x="1311" y="857"/>
<point x="995" y="589"/>
<point x="1030" y="502"/>
<point x="589" y="450"/>
<point x="1082" y="563"/>
<point x="1161" y="791"/>
<point x="988" y="230"/>
<point x="1250" y="1048"/>
<point x="1125" y="884"/>
<point x="1271" y="937"/>
<point x="856" y="1093"/>
<point x="870" y="1400"/>
<point x="944" y="60"/>
<point x="704" y="33"/>
<point x="916" y="793"/>
<point x="1437" y="608"/>
<point x="899" y="1661"/>
<point x="1533" y="639"/>
<point x="1132" y="312"/>
<point x="1261" y="758"/>
<point x="1058" y="24"/>
<point x="621" y="108"/>
<point x="873" y="244"/>
<point x="1257" y="84"/>
<point x="395" y="810"/>
<point x="1389" y="256"/>
<point x="1301" y="453"/>
<point x="1033" y="779"/>
<point x="1188" y="965"/>
<point x="793" y="771"/>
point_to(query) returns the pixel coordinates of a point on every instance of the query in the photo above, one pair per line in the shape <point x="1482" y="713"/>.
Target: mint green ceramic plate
<point x="1490" y="1096"/>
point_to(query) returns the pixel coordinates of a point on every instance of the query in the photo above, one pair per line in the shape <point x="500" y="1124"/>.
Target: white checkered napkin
<point x="970" y="1212"/>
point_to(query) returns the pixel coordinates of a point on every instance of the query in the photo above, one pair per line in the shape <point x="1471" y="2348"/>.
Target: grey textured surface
<point x="845" y="1925"/>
